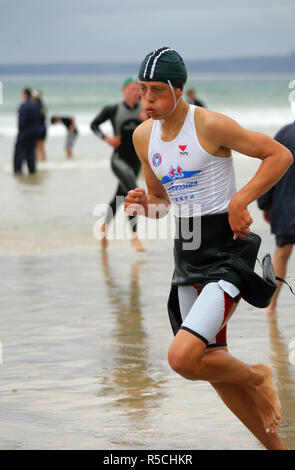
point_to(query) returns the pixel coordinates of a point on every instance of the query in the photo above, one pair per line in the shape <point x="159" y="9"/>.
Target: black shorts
<point x="282" y="240"/>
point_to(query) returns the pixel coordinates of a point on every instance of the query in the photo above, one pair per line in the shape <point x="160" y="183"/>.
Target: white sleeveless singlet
<point x="197" y="183"/>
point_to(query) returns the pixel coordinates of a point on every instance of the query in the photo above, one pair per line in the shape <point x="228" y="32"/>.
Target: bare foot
<point x="267" y="399"/>
<point x="103" y="240"/>
<point x="136" y="244"/>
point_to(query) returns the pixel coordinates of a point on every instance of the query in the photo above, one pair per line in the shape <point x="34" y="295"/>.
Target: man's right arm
<point x="155" y="203"/>
<point x="264" y="202"/>
<point x="107" y="113"/>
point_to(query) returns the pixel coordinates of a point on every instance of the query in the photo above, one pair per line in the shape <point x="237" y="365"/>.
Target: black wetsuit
<point x="125" y="163"/>
<point x="67" y="122"/>
<point x="28" y="131"/>
<point x="197" y="102"/>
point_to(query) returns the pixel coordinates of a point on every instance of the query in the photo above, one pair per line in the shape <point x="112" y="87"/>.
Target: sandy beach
<point x="85" y="334"/>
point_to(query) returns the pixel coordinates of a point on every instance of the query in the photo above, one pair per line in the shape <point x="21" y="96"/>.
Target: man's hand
<point x="136" y="202"/>
<point x="113" y="141"/>
<point x="239" y="219"/>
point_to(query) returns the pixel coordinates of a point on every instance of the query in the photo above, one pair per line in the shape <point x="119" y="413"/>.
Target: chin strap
<point x="175" y="102"/>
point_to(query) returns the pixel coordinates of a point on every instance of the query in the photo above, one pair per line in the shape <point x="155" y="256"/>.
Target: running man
<point x="124" y="117"/>
<point x="186" y="156"/>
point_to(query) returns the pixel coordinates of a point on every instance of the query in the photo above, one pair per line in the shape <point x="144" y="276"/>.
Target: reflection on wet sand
<point x="129" y="378"/>
<point x="285" y="381"/>
<point x="32" y="179"/>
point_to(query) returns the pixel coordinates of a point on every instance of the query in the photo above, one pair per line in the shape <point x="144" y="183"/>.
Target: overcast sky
<point x="33" y="31"/>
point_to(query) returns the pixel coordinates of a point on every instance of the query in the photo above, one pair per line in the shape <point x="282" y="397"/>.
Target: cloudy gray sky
<point x="33" y="31"/>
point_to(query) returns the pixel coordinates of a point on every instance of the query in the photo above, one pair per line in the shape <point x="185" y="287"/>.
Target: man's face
<point x="131" y="93"/>
<point x="157" y="98"/>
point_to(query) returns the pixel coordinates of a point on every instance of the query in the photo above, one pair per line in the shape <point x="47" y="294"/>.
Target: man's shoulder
<point x="29" y="107"/>
<point x="110" y="108"/>
<point x="207" y="118"/>
<point x="141" y="137"/>
<point x="143" y="131"/>
<point x="24" y="105"/>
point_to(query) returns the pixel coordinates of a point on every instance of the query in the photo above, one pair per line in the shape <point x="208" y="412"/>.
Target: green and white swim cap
<point x="163" y="65"/>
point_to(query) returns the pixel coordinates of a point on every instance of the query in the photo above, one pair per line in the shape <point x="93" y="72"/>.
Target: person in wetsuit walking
<point x="124" y="117"/>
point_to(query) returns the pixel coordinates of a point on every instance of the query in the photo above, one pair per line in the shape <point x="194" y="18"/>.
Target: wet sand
<point x="85" y="338"/>
<point x="85" y="334"/>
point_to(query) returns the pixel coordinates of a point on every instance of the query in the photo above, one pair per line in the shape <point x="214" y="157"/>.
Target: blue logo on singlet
<point x="178" y="174"/>
<point x="157" y="159"/>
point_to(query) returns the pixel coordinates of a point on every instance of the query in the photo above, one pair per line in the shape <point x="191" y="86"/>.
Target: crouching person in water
<point x="186" y="156"/>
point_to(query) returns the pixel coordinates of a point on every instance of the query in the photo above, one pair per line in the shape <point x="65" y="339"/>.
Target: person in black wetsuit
<point x="28" y="130"/>
<point x="72" y="131"/>
<point x="278" y="206"/>
<point x="125" y="117"/>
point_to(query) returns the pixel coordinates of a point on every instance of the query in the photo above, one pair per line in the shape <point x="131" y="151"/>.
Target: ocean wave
<point x="64" y="165"/>
<point x="268" y="117"/>
<point x="261" y="117"/>
<point x="8" y="126"/>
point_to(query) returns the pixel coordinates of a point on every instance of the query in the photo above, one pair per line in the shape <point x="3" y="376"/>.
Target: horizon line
<point x="118" y="63"/>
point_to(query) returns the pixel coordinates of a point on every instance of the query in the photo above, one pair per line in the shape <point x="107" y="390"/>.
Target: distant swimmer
<point x="72" y="131"/>
<point x="124" y="117"/>
<point x="214" y="249"/>
<point x="191" y="98"/>
<point x="28" y="133"/>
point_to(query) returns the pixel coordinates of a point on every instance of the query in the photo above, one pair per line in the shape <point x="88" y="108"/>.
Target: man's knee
<point x="184" y="362"/>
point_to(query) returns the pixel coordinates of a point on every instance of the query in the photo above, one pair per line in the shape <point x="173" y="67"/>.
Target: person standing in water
<point x="279" y="211"/>
<point x="124" y="117"/>
<point x="186" y="156"/>
<point x="72" y="131"/>
<point x="28" y="132"/>
<point x="40" y="147"/>
<point x="191" y="98"/>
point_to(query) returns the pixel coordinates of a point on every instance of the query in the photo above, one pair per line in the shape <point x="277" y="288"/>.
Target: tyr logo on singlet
<point x="183" y="151"/>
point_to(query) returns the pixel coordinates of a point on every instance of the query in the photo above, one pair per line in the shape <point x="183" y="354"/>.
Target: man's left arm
<point x="22" y="117"/>
<point x="275" y="158"/>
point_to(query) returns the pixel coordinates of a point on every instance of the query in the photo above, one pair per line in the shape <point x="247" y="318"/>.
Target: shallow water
<point x="85" y="338"/>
